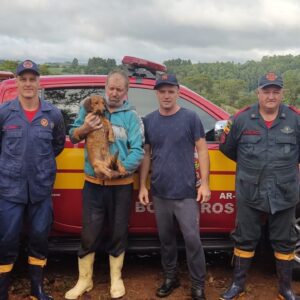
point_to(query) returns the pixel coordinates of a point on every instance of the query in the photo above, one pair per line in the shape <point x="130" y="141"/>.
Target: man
<point x="32" y="133"/>
<point x="109" y="198"/>
<point x="264" y="140"/>
<point x="172" y="133"/>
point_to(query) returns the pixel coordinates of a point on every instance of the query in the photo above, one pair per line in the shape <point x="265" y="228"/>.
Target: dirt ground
<point x="142" y="275"/>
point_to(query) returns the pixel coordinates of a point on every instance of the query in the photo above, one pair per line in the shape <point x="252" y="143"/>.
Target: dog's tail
<point x="114" y="161"/>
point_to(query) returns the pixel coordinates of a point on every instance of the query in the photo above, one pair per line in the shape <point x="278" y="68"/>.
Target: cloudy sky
<point x="200" y="30"/>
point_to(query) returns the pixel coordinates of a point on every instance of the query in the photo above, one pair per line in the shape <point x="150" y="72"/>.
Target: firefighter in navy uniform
<point x="264" y="140"/>
<point x="32" y="133"/>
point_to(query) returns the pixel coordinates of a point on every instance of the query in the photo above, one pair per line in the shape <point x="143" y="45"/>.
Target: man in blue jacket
<point x="103" y="197"/>
<point x="32" y="133"/>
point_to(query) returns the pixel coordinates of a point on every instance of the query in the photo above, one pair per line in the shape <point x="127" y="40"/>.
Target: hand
<point x="143" y="196"/>
<point x="114" y="174"/>
<point x="101" y="170"/>
<point x="91" y="122"/>
<point x="204" y="193"/>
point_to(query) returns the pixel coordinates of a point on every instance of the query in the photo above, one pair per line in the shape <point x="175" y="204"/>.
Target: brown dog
<point x="97" y="141"/>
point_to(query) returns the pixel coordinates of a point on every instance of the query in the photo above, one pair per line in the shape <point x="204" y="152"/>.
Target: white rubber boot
<point x="85" y="281"/>
<point x="117" y="288"/>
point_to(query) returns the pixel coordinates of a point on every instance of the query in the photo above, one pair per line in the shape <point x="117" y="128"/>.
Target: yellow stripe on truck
<point x="222" y="182"/>
<point x="73" y="158"/>
<point x="69" y="181"/>
<point x="75" y="181"/>
<point x="219" y="162"/>
<point x="70" y="159"/>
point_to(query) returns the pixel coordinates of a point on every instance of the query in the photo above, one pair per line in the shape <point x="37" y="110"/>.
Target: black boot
<point x="237" y="288"/>
<point x="284" y="273"/>
<point x="167" y="287"/>
<point x="4" y="283"/>
<point x="36" y="277"/>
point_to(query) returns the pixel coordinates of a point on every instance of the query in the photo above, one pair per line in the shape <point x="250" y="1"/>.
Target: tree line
<point x="227" y="84"/>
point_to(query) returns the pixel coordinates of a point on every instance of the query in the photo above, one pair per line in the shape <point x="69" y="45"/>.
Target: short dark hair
<point x="121" y="73"/>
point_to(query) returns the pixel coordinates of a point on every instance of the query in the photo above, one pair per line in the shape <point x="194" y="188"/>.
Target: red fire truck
<point x="66" y="92"/>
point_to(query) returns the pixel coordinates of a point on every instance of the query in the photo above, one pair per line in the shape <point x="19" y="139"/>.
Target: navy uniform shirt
<point x="267" y="176"/>
<point x="28" y="150"/>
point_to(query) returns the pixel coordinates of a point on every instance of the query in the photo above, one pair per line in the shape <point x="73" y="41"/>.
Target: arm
<point x="135" y="143"/>
<point x="2" y="118"/>
<point x="59" y="134"/>
<point x="143" y="172"/>
<point x="203" y="191"/>
<point x="228" y="143"/>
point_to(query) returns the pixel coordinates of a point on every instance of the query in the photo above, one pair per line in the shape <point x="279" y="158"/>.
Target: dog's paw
<point x="122" y="170"/>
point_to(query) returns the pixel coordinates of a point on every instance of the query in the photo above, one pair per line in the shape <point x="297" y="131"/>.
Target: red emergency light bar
<point x="6" y="75"/>
<point x="142" y="63"/>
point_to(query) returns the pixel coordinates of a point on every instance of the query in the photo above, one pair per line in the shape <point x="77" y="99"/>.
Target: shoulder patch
<point x="240" y="111"/>
<point x="227" y="127"/>
<point x="295" y="109"/>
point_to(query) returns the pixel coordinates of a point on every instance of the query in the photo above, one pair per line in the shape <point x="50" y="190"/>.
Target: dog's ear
<point x="87" y="104"/>
<point x="103" y="101"/>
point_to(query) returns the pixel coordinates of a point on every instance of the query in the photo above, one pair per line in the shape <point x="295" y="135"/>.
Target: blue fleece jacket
<point x="129" y="137"/>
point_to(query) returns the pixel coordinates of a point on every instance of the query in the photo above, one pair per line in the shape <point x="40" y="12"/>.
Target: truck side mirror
<point x="219" y="127"/>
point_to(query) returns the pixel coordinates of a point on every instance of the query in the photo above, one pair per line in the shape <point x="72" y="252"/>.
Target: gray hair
<point x="121" y="73"/>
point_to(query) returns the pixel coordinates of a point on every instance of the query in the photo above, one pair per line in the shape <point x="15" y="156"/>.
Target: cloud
<point x="200" y="30"/>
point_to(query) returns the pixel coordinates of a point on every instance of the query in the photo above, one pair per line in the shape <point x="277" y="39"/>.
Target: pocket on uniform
<point x="286" y="143"/>
<point x="247" y="185"/>
<point x="10" y="174"/>
<point x="287" y="187"/>
<point x="44" y="144"/>
<point x="292" y="238"/>
<point x="46" y="170"/>
<point x="250" y="139"/>
<point x="12" y="141"/>
<point x="248" y="145"/>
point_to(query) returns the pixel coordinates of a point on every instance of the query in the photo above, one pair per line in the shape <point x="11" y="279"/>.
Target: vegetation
<point x="231" y="84"/>
<point x="228" y="84"/>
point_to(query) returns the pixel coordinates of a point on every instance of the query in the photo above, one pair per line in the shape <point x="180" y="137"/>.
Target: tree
<point x="9" y="65"/>
<point x="44" y="69"/>
<point x="74" y="63"/>
<point x="98" y="65"/>
<point x="292" y="86"/>
<point x="199" y="83"/>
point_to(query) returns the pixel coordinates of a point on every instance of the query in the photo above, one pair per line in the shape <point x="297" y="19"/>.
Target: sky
<point x="157" y="30"/>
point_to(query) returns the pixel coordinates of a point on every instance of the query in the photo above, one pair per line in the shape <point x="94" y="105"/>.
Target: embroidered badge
<point x="164" y="77"/>
<point x="44" y="122"/>
<point x="227" y="127"/>
<point x="11" y="127"/>
<point x="287" y="130"/>
<point x="271" y="76"/>
<point x="27" y="64"/>
<point x="251" y="132"/>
